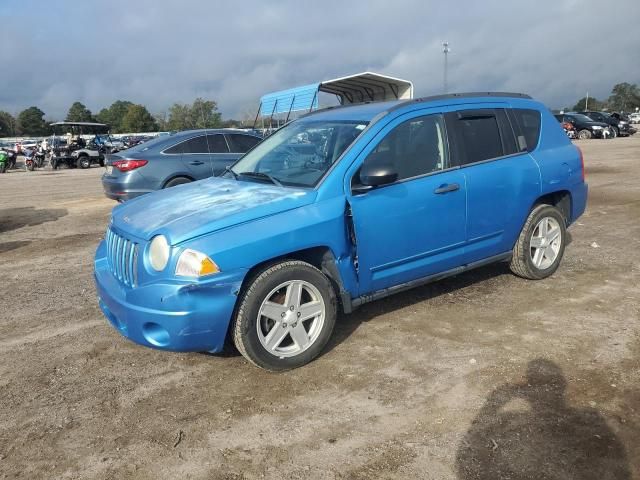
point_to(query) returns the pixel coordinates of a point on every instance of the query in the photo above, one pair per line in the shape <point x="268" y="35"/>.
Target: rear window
<point x="529" y="123"/>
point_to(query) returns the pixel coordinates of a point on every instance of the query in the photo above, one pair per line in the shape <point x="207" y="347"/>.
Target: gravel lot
<point x="481" y="376"/>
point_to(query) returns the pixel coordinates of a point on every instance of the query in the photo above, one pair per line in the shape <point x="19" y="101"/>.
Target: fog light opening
<point x="155" y="334"/>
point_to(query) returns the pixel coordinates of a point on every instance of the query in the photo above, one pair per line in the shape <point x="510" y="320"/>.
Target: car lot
<point x="484" y="375"/>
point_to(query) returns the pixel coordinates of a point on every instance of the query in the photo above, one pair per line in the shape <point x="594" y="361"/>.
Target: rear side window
<point x="242" y="143"/>
<point x="529" y="123"/>
<point x="478" y="136"/>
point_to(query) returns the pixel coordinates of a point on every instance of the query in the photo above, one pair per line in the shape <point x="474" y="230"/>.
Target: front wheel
<point x="540" y="246"/>
<point x="615" y="132"/>
<point x="285" y="316"/>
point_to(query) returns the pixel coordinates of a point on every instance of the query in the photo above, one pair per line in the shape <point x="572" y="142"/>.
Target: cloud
<point x="157" y="53"/>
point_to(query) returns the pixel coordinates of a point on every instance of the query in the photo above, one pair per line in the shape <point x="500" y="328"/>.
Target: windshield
<point x="298" y="154"/>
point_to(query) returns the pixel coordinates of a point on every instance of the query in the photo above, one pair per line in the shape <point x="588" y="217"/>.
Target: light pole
<point x="445" y="50"/>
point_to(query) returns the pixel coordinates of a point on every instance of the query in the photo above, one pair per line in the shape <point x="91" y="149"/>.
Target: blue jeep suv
<point x="340" y="207"/>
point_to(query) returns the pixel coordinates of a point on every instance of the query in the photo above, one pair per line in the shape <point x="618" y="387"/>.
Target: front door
<point x="414" y="227"/>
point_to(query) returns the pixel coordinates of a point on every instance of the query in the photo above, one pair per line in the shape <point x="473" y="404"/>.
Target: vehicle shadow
<point x="8" y="246"/>
<point x="347" y="324"/>
<point x="15" y="218"/>
<point x="528" y="431"/>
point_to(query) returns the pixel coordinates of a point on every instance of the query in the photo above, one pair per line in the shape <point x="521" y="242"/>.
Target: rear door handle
<point x="196" y="162"/>
<point x="446" y="188"/>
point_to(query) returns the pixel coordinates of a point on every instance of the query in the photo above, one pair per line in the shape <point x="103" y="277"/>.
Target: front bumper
<point x="169" y="315"/>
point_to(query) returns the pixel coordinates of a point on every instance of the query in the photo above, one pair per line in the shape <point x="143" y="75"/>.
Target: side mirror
<point x="373" y="174"/>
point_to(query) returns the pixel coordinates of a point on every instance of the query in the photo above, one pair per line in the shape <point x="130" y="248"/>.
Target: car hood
<point x="194" y="209"/>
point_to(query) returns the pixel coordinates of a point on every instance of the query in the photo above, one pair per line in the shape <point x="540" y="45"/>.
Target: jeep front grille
<point x="123" y="258"/>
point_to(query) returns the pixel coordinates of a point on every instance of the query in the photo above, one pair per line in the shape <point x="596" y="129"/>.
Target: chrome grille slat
<point x="122" y="255"/>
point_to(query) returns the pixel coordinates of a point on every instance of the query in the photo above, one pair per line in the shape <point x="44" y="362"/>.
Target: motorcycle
<point x="35" y="159"/>
<point x="7" y="160"/>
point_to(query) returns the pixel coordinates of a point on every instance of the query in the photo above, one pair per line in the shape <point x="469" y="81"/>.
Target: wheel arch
<point x="560" y="199"/>
<point x="321" y="257"/>
<point x="178" y="175"/>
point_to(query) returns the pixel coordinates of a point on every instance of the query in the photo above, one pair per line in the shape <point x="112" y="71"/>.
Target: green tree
<point x="590" y="103"/>
<point x="138" y="119"/>
<point x="114" y="115"/>
<point x="31" y="122"/>
<point x="7" y="124"/>
<point x="205" y="114"/>
<point x="79" y="113"/>
<point x="625" y="97"/>
<point x="201" y="114"/>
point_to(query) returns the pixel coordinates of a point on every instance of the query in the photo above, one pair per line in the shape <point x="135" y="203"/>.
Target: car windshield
<point x="298" y="154"/>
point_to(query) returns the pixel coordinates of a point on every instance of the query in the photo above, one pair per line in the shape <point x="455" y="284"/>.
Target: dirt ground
<point x="481" y="376"/>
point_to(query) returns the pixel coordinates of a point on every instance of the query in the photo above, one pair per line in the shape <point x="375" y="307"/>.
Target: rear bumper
<point x="176" y="316"/>
<point x="122" y="189"/>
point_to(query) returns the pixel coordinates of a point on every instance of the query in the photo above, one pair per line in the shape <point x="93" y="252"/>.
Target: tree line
<point x="122" y="116"/>
<point x="625" y="97"/>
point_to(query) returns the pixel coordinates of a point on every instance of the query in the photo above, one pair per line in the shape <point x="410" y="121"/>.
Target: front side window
<point x="242" y="143"/>
<point x="415" y="147"/>
<point x="298" y="154"/>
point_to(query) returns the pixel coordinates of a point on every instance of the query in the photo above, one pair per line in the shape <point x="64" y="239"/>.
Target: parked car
<point x="619" y="126"/>
<point x="339" y="208"/>
<point x="586" y="127"/>
<point x="634" y="118"/>
<point x="171" y="160"/>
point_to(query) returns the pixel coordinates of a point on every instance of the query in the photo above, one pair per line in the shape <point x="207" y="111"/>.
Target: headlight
<point x="195" y="264"/>
<point x="597" y="127"/>
<point x="622" y="123"/>
<point x="159" y="253"/>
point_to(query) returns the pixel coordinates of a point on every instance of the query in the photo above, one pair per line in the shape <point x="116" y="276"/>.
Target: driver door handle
<point x="196" y="162"/>
<point x="446" y="188"/>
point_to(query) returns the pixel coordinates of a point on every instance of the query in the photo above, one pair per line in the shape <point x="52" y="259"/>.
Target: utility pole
<point x="586" y="102"/>
<point x="445" y="50"/>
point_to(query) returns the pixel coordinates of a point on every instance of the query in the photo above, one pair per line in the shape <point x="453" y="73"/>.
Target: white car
<point x="634" y="118"/>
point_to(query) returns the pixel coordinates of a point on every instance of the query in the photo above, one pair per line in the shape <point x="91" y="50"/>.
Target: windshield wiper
<point x="227" y="169"/>
<point x="273" y="180"/>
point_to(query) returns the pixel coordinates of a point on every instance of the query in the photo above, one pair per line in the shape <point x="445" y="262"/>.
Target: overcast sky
<point x="157" y="52"/>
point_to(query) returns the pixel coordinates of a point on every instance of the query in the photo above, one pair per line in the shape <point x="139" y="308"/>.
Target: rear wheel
<point x="30" y="166"/>
<point x="3" y="167"/>
<point x="285" y="316"/>
<point x="540" y="246"/>
<point x="176" y="181"/>
<point x="584" y="134"/>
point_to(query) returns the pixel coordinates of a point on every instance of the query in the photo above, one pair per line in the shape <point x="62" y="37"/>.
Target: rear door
<point x="502" y="178"/>
<point x="194" y="155"/>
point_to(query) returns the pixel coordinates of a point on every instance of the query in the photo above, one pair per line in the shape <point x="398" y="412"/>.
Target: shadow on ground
<point x="528" y="431"/>
<point x="8" y="246"/>
<point x="15" y="218"/>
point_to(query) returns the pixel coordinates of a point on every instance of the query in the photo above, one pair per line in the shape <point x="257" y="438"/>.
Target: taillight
<point x="581" y="162"/>
<point x="128" y="164"/>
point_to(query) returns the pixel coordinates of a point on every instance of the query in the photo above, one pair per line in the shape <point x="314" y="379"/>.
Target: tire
<point x="101" y="162"/>
<point x="269" y="290"/>
<point x="584" y="134"/>
<point x="176" y="181"/>
<point x="537" y="263"/>
<point x="83" y="162"/>
<point x="3" y="167"/>
<point x="30" y="166"/>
